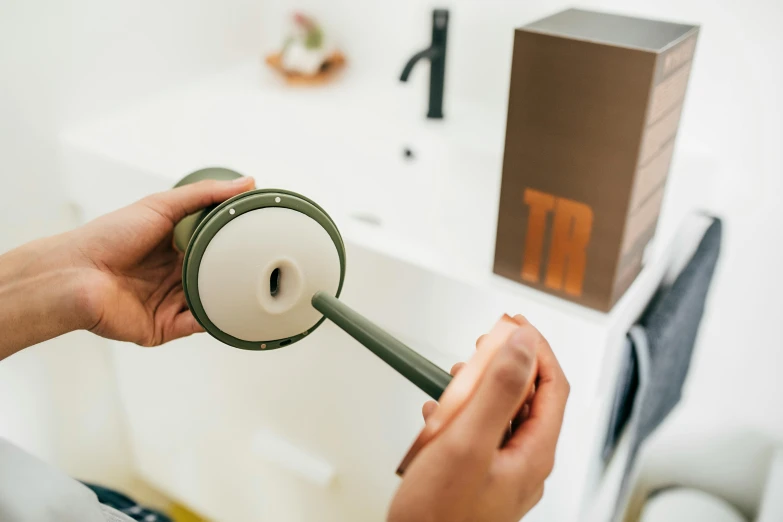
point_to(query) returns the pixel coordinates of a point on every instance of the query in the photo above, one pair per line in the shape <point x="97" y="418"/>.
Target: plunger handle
<point x="183" y="231"/>
<point x="429" y="377"/>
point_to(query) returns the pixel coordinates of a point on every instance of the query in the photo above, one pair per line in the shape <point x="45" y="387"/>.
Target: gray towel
<point x="626" y="388"/>
<point x="663" y="344"/>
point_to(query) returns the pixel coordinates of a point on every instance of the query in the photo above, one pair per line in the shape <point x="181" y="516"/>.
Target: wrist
<point x="65" y="266"/>
<point x="73" y="302"/>
<point x="43" y="294"/>
<point x="78" y="275"/>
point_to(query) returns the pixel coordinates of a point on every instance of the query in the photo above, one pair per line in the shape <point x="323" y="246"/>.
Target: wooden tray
<point x="329" y="70"/>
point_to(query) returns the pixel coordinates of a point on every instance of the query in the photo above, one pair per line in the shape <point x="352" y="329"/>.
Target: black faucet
<point x="436" y="53"/>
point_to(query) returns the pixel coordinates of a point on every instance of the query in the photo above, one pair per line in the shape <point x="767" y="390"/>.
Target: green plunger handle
<point x="184" y="230"/>
<point x="429" y="377"/>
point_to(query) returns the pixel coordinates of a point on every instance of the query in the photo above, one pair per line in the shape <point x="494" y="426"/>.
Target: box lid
<point x="612" y="29"/>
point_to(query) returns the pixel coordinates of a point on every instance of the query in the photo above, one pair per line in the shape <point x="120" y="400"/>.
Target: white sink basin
<point x="340" y="146"/>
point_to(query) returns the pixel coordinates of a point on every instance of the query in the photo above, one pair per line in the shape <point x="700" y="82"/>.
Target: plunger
<point x="264" y="269"/>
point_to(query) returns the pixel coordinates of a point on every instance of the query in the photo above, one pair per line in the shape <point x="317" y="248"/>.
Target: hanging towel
<point x="626" y="389"/>
<point x="663" y="344"/>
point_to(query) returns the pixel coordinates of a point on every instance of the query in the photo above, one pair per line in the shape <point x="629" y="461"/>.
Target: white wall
<point x="62" y="61"/>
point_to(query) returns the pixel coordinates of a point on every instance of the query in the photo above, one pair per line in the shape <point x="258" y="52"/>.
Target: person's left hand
<point x="132" y="277"/>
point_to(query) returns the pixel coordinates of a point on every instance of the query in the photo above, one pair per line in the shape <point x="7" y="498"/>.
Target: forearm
<point x="41" y="295"/>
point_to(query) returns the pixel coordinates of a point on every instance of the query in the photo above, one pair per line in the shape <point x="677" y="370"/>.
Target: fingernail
<point x="243" y="180"/>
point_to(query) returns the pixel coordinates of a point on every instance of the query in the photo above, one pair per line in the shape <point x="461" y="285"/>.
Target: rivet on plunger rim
<point x="214" y="222"/>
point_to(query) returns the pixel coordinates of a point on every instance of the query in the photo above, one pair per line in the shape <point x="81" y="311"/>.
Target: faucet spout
<point x="430" y="53"/>
<point x="436" y="54"/>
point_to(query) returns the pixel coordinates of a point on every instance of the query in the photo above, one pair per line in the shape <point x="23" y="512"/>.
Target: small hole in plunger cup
<point x="274" y="282"/>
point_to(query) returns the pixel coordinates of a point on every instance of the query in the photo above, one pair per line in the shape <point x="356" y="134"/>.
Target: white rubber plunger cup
<point x="265" y="268"/>
<point x="254" y="263"/>
<point x="260" y="271"/>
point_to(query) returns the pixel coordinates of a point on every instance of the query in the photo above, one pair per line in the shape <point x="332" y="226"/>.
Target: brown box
<point x="593" y="112"/>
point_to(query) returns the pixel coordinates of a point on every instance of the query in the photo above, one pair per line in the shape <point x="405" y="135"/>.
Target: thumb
<point x="500" y="393"/>
<point x="182" y="201"/>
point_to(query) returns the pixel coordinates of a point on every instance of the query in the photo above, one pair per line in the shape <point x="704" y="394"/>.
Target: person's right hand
<point x="464" y="475"/>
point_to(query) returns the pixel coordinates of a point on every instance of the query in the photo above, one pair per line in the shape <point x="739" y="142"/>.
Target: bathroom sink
<point x="386" y="175"/>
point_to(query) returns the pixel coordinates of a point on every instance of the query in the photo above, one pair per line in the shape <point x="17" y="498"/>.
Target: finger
<point x="174" y="301"/>
<point x="532" y="500"/>
<point x="428" y="409"/>
<point x="456" y="368"/>
<point x="535" y="441"/>
<point x="521" y="416"/>
<point x="519" y="319"/>
<point x="499" y="394"/>
<point x="182" y="201"/>
<point x="184" y="324"/>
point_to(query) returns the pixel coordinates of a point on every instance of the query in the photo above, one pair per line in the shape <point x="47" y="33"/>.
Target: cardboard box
<point x="594" y="108"/>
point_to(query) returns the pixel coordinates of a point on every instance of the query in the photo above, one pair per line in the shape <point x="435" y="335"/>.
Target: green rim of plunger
<point x="208" y="223"/>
